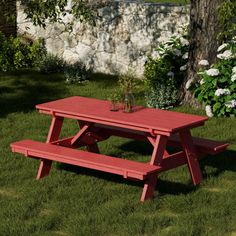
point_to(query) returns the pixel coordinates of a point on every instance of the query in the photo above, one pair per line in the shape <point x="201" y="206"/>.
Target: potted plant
<point x="127" y="83"/>
<point x="115" y="99"/>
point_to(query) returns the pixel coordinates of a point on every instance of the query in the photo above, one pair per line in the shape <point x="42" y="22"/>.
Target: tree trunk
<point x="203" y="42"/>
<point x="8" y="17"/>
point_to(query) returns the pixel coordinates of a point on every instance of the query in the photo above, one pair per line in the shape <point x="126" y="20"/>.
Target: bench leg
<point x="44" y="168"/>
<point x="159" y="150"/>
<point x="53" y="135"/>
<point x="149" y="188"/>
<point x="192" y="157"/>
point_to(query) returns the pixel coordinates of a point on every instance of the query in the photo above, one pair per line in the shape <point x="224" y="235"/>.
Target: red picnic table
<point x="97" y="123"/>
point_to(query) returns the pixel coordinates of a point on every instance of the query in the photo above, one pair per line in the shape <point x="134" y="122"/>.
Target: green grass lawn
<point x="74" y="201"/>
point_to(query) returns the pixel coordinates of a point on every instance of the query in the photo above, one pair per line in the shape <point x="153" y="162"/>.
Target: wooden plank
<point x="80" y="134"/>
<point x="114" y="165"/>
<point x="192" y="157"/>
<point x="98" y="111"/>
<point x="205" y="146"/>
<point x="53" y="135"/>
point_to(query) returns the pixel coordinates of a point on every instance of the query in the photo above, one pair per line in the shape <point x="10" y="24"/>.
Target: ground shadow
<point x="163" y="186"/>
<point x="221" y="162"/>
<point x="225" y="161"/>
<point x="104" y="80"/>
<point x="21" y="91"/>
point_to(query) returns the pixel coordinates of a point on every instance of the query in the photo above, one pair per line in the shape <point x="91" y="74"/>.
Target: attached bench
<point x="126" y="168"/>
<point x="203" y="146"/>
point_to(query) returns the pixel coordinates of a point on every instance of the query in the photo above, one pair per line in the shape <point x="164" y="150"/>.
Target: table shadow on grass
<point x="163" y="186"/>
<point x="223" y="161"/>
<point x="20" y="92"/>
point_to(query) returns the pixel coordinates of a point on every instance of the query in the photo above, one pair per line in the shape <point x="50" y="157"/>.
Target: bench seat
<point x="204" y="146"/>
<point x="126" y="168"/>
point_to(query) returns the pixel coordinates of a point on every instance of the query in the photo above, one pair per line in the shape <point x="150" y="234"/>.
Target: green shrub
<point x="51" y="64"/>
<point x="165" y="73"/>
<point x="15" y="54"/>
<point x="161" y="97"/>
<point x="76" y="73"/>
<point x="217" y="87"/>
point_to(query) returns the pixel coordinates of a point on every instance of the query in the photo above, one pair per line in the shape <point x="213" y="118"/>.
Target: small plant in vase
<point x="115" y="99"/>
<point x="127" y="83"/>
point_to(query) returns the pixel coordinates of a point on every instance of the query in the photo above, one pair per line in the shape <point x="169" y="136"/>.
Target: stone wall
<point x="125" y="35"/>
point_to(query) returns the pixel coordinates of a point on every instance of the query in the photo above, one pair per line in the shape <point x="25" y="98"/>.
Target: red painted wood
<point x="65" y="142"/>
<point x="98" y="111"/>
<point x="55" y="129"/>
<point x="202" y="145"/>
<point x="109" y="164"/>
<point x="80" y="134"/>
<point x="173" y="160"/>
<point x="53" y="135"/>
<point x="156" y="160"/>
<point x="149" y="187"/>
<point x="44" y="168"/>
<point x="159" y="149"/>
<point x="144" y="124"/>
<point x="205" y="146"/>
<point x="91" y="142"/>
<point x="192" y="158"/>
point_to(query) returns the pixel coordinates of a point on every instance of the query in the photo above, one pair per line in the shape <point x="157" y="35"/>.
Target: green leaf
<point x="216" y="106"/>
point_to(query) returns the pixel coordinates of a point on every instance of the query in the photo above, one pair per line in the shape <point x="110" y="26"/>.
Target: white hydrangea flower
<point x="209" y="111"/>
<point x="225" y="55"/>
<point x="177" y="52"/>
<point x="221" y="47"/>
<point x="201" y="81"/>
<point x="233" y="77"/>
<point x="203" y="63"/>
<point x="213" y="72"/>
<point x="184" y="41"/>
<point x="183" y="68"/>
<point x="170" y="74"/>
<point x="188" y="84"/>
<point x="185" y="56"/>
<point x="231" y="104"/>
<point x="234" y="70"/>
<point x="220" y="92"/>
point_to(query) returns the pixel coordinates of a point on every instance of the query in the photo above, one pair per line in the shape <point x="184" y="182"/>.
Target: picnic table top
<point x="99" y="111"/>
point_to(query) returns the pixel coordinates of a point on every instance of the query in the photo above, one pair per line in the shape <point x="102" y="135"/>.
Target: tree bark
<point x="8" y="17"/>
<point x="203" y="40"/>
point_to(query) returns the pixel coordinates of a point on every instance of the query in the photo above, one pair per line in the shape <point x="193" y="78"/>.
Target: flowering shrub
<point x="165" y="73"/>
<point x="217" y="87"/>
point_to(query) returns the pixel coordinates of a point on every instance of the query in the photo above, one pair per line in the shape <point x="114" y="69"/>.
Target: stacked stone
<point x="126" y="33"/>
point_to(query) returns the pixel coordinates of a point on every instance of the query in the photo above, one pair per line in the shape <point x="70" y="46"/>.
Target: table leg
<point x="191" y="155"/>
<point x="156" y="159"/>
<point x="53" y="135"/>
